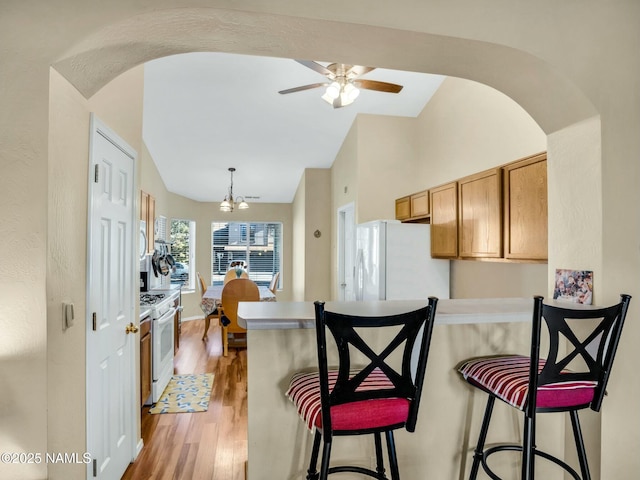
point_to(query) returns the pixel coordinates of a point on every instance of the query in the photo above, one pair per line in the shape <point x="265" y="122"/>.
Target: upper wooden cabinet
<point x="444" y="220"/>
<point x="525" y="209"/>
<point x="413" y="208"/>
<point x="496" y="214"/>
<point x="403" y="208"/>
<point x="480" y="215"/>
<point x="420" y="205"/>
<point x="148" y="215"/>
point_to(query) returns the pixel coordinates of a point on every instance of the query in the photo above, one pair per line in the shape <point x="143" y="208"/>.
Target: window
<point x="183" y="234"/>
<point x="258" y="244"/>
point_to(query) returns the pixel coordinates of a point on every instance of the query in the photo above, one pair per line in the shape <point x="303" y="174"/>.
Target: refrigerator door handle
<point x="359" y="276"/>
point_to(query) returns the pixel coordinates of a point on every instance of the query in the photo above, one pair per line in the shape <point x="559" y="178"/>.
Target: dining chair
<point x="556" y="382"/>
<point x="369" y="393"/>
<point x="232" y="275"/>
<point x="273" y="285"/>
<point x="236" y="290"/>
<point x="208" y="315"/>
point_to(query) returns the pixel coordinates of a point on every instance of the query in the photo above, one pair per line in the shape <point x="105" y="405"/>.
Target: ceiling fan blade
<point x="315" y="66"/>
<point x="379" y="86"/>
<point x="303" y="87"/>
<point x="358" y="70"/>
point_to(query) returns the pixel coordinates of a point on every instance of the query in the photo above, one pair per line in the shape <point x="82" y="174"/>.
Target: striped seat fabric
<point x="304" y="392"/>
<point x="507" y="377"/>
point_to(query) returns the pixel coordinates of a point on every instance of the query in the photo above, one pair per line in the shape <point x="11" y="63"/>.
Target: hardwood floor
<point x="208" y="445"/>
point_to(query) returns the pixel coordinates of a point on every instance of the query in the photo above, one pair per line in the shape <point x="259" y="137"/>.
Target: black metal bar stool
<point x="377" y="398"/>
<point x="558" y="383"/>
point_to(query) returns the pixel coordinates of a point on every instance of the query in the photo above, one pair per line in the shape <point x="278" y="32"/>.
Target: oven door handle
<point x="167" y="317"/>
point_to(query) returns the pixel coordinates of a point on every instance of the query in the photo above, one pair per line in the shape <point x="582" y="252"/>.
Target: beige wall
<point x="465" y="128"/>
<point x="468" y="127"/>
<point x="299" y="242"/>
<point x="311" y="254"/>
<point x="562" y="63"/>
<point x="386" y="162"/>
<point x="204" y="214"/>
<point x="118" y="105"/>
<point x="317" y="218"/>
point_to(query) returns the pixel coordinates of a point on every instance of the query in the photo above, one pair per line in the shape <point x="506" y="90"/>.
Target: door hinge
<point x="95" y="467"/>
<point x="95" y="321"/>
<point x="96" y="173"/>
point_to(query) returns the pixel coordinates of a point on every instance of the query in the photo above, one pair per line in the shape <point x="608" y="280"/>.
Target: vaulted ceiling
<point x="206" y="112"/>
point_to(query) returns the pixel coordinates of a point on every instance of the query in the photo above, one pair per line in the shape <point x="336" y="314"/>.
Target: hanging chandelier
<point x="229" y="203"/>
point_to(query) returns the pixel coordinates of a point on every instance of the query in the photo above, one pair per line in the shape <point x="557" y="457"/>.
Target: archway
<point x="551" y="100"/>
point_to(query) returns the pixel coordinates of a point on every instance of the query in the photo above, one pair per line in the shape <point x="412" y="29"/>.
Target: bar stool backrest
<point x="590" y="359"/>
<point x="401" y="381"/>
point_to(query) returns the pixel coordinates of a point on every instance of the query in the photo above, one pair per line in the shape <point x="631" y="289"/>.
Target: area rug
<point x="185" y="394"/>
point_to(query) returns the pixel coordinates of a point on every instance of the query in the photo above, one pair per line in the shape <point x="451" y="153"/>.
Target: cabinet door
<point x="148" y="214"/>
<point x="480" y="217"/>
<point x="420" y="204"/>
<point x="525" y="213"/>
<point x="144" y="205"/>
<point x="403" y="208"/>
<point x="444" y="221"/>
<point x="145" y="360"/>
<point x="177" y="327"/>
<point x="151" y="227"/>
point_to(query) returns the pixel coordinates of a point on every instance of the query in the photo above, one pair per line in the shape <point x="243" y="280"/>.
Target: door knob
<point x="131" y="328"/>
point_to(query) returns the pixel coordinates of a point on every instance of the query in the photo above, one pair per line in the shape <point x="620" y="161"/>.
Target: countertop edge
<point x="300" y="315"/>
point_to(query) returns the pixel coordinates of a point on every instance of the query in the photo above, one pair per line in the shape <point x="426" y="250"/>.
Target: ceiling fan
<point x="343" y="82"/>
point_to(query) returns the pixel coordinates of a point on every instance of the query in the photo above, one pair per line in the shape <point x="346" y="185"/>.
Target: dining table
<point x="212" y="297"/>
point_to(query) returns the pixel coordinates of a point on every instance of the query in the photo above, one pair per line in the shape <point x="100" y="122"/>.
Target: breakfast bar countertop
<point x="296" y="315"/>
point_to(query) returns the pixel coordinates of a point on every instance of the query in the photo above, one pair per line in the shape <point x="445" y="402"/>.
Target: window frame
<point x="247" y="232"/>
<point x="191" y="282"/>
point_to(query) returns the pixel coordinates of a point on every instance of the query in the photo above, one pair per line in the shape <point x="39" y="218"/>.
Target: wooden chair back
<point x="273" y="286"/>
<point x="237" y="290"/>
<point x="203" y="286"/>
<point x="231" y="275"/>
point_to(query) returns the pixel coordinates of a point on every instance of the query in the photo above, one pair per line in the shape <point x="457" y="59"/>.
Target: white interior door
<point x="346" y="252"/>
<point x="110" y="306"/>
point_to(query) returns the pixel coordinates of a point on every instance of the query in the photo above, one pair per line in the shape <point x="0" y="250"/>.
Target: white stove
<point x="163" y="310"/>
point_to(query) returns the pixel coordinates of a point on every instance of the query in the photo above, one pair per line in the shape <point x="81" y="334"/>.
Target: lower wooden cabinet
<point x="145" y="360"/>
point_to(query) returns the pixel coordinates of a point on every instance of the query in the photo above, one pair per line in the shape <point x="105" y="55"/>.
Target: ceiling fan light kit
<point x="229" y="203"/>
<point x="343" y="86"/>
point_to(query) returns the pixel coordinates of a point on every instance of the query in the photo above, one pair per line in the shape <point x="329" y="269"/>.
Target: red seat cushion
<point x="507" y="377"/>
<point x="304" y="392"/>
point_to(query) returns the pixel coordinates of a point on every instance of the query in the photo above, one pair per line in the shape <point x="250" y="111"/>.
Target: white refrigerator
<point x="393" y="262"/>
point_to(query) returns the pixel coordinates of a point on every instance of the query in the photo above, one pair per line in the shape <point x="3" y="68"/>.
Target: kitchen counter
<point x="292" y="315"/>
<point x="281" y="340"/>
<point x="144" y="312"/>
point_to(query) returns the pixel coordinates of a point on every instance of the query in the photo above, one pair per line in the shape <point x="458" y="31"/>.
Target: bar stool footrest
<point x="360" y="470"/>
<point x="518" y="448"/>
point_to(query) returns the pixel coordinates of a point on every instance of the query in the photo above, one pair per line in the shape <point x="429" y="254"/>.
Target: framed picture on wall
<point x="575" y="286"/>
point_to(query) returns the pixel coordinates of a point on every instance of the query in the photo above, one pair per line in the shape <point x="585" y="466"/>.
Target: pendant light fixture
<point x="229" y="203"/>
<point x="340" y="93"/>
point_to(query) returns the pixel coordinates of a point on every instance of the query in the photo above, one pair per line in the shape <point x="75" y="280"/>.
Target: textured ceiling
<point x="206" y="112"/>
